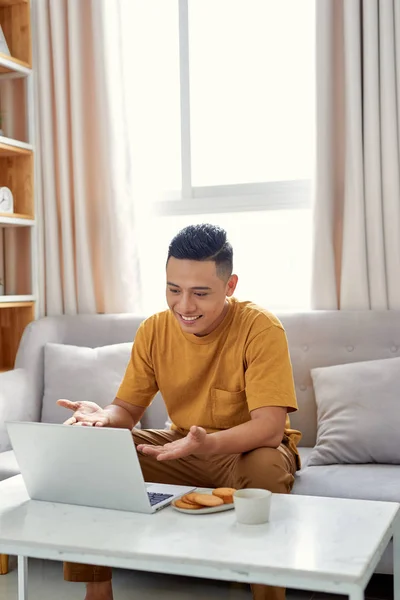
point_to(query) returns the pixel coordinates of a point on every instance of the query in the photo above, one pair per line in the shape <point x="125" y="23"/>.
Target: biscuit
<point x="207" y="500"/>
<point x="186" y="506"/>
<point x="226" y="494"/>
<point x="189" y="498"/>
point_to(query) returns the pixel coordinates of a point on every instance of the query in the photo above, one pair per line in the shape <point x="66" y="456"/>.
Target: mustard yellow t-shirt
<point x="213" y="381"/>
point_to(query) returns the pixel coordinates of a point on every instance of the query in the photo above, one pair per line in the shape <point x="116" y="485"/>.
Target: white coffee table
<point x="321" y="544"/>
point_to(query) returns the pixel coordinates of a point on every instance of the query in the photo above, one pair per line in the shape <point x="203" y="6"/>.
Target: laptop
<point x="88" y="466"/>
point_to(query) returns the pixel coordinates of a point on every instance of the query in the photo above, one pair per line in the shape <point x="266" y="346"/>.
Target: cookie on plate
<point x="226" y="494"/>
<point x="189" y="498"/>
<point x="207" y="500"/>
<point x="186" y="505"/>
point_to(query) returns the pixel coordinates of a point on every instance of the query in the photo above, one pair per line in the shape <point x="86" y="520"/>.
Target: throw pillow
<point x="79" y="373"/>
<point x="358" y="408"/>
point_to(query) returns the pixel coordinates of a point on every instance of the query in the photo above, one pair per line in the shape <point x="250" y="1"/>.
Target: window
<point x="221" y="122"/>
<point x="250" y="71"/>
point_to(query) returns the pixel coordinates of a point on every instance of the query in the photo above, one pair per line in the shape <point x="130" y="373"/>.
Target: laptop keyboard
<point x="156" y="498"/>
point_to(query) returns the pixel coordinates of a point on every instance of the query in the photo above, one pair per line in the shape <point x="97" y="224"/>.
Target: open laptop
<point x="89" y="466"/>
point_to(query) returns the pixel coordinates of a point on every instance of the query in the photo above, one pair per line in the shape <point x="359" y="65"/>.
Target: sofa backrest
<point x="79" y="330"/>
<point x="317" y="338"/>
<point x="326" y="338"/>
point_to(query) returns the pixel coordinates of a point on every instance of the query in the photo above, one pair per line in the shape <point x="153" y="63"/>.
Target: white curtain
<point x="357" y="184"/>
<point x="87" y="250"/>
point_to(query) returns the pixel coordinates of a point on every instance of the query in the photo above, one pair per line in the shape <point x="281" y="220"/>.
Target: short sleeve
<point x="269" y="376"/>
<point x="139" y="385"/>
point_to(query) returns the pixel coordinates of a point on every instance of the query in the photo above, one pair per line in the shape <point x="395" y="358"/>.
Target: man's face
<point x="196" y="295"/>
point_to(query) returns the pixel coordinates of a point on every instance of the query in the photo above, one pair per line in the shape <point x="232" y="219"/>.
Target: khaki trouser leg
<point x="266" y="468"/>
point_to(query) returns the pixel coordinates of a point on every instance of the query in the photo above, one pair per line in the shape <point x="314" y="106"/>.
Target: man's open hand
<point x="86" y="414"/>
<point x="193" y="443"/>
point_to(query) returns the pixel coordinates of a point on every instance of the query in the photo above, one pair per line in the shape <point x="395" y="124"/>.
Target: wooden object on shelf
<point x="15" y="21"/>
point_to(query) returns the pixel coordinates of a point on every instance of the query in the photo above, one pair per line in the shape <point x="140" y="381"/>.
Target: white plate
<point x="204" y="511"/>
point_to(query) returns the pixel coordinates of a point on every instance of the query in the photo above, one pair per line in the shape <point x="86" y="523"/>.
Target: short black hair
<point x="204" y="242"/>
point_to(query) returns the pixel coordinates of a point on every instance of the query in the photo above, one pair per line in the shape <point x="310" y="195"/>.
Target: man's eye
<point x="173" y="291"/>
<point x="200" y="294"/>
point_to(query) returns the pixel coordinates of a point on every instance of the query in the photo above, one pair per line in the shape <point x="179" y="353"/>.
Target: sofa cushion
<point x="304" y="455"/>
<point x="8" y="465"/>
<point x="358" y="409"/>
<point x="79" y="373"/>
<point x="14" y="402"/>
<point x="363" y="482"/>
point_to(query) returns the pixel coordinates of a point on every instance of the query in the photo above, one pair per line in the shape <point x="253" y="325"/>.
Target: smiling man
<point x="223" y="369"/>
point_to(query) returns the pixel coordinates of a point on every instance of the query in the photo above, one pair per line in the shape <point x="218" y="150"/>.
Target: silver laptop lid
<point x="89" y="466"/>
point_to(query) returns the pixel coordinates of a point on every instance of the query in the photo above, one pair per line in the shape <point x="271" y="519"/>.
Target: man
<point x="224" y="371"/>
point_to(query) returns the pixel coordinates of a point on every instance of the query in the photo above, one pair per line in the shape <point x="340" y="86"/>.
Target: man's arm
<point x="119" y="414"/>
<point x="266" y="428"/>
<point x="123" y="414"/>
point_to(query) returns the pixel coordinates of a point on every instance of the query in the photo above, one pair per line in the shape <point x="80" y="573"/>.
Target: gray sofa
<point x="316" y="339"/>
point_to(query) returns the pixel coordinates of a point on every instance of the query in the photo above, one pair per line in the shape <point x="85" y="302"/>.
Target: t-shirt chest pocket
<point x="229" y="408"/>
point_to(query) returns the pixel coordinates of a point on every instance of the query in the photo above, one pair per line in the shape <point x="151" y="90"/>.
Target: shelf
<point x="4" y="3"/>
<point x="15" y="220"/>
<point x="16" y="301"/>
<point x="10" y="147"/>
<point x="13" y="67"/>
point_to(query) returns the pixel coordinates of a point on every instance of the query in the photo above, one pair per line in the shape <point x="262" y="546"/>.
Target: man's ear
<point x="231" y="285"/>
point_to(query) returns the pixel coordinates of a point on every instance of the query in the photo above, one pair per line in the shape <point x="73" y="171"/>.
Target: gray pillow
<point x="358" y="408"/>
<point x="79" y="373"/>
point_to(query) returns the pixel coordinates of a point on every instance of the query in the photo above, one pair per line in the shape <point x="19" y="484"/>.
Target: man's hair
<point x="204" y="242"/>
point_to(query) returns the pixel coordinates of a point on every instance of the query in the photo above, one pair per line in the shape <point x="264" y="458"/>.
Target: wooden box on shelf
<point x="16" y="25"/>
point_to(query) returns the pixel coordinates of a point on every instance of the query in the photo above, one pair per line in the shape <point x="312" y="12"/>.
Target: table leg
<point x="356" y="593"/>
<point x="396" y="559"/>
<point x="22" y="578"/>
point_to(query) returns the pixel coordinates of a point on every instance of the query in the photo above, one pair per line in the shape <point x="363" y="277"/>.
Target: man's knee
<point x="264" y="468"/>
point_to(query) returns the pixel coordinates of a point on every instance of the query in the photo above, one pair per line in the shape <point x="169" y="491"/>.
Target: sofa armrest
<point x="16" y="402"/>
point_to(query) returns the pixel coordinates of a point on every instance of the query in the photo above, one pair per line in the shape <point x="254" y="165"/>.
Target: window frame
<point x="272" y="195"/>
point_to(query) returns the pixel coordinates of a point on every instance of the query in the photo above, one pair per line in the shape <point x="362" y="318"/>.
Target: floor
<point x="46" y="583"/>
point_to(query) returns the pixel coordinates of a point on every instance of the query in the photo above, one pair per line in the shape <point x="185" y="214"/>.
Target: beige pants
<point x="268" y="468"/>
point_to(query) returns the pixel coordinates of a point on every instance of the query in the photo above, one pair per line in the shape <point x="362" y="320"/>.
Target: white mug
<point x="252" y="506"/>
